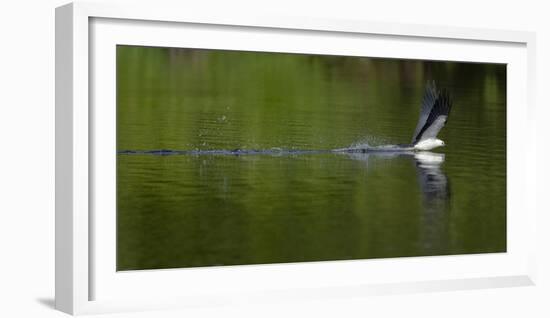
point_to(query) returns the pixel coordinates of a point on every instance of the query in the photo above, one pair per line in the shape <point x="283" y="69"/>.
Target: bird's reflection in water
<point x="435" y="190"/>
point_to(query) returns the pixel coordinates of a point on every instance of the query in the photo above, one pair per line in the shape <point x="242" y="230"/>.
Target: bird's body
<point x="428" y="144"/>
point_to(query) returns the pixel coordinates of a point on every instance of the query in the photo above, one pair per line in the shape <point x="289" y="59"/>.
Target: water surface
<point x="199" y="207"/>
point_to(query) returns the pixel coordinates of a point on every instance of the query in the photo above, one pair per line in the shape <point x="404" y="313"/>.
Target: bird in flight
<point x="436" y="106"/>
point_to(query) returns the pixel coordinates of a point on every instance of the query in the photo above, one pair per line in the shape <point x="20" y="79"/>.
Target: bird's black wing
<point x="436" y="106"/>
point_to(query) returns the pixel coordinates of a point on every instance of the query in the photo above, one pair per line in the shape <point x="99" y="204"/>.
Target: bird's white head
<point x="429" y="144"/>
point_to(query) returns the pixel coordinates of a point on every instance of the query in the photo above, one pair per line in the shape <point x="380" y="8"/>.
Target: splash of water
<point x="370" y="142"/>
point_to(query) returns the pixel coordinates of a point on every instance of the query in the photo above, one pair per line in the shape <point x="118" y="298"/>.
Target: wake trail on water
<point x="367" y="144"/>
<point x="354" y="148"/>
<point x="235" y="152"/>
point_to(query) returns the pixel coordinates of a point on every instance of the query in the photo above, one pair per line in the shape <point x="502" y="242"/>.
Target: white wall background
<point x="27" y="158"/>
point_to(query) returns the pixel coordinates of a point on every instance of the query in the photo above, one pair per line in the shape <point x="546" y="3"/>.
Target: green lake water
<point x="190" y="210"/>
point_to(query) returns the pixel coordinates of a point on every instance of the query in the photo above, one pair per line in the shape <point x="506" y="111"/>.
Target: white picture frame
<point x="86" y="281"/>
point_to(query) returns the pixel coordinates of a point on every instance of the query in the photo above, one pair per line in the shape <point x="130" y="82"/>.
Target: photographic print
<point x="239" y="157"/>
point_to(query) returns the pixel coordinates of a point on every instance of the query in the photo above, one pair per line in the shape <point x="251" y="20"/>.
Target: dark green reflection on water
<point x="201" y="210"/>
